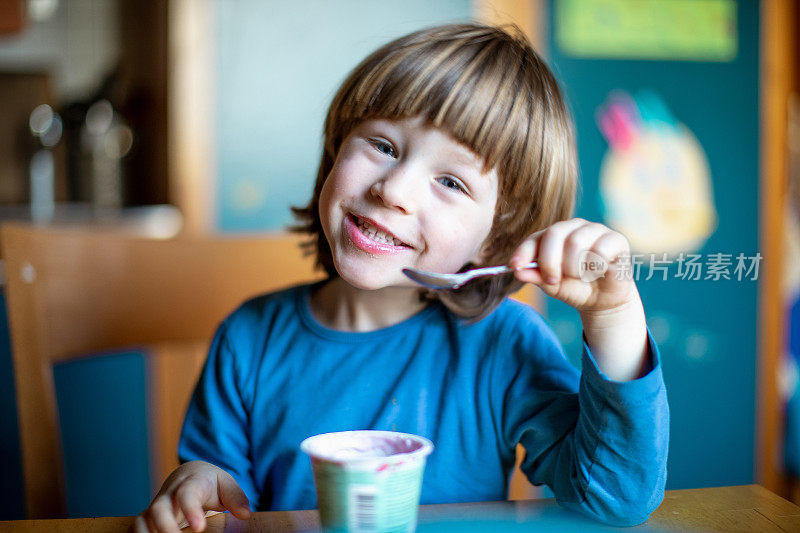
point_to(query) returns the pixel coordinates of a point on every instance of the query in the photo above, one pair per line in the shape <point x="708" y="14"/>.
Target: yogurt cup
<point x="368" y="481"/>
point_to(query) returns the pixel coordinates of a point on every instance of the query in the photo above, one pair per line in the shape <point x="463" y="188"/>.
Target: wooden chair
<point x="77" y="292"/>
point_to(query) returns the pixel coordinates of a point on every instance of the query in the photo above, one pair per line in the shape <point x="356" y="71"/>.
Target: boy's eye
<point x="380" y="145"/>
<point x="452" y="183"/>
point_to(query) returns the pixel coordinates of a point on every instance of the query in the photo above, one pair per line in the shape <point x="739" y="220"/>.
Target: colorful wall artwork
<point x="655" y="182"/>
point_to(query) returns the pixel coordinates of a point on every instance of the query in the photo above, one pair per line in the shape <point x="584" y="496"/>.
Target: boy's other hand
<point x="190" y="490"/>
<point x="584" y="264"/>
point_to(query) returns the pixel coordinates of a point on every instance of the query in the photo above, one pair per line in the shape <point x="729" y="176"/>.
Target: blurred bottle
<point x="105" y="138"/>
<point x="98" y="139"/>
<point x="46" y="127"/>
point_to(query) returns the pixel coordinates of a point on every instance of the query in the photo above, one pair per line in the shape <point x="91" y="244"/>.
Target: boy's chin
<point x="372" y="282"/>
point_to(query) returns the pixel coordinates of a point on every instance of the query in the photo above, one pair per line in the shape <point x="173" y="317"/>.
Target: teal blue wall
<point x="712" y="397"/>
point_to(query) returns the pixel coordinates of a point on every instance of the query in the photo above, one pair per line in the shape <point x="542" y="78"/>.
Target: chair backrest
<point x="75" y="292"/>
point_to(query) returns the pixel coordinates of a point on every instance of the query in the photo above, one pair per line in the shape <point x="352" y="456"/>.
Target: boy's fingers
<point x="577" y="243"/>
<point x="232" y="497"/>
<point x="613" y="246"/>
<point x="242" y="513"/>
<point x="161" y="515"/>
<point x="189" y="502"/>
<point x="551" y="249"/>
<point x="529" y="275"/>
<point x="180" y="517"/>
<point x="151" y="525"/>
<point x="525" y="253"/>
<point x="140" y="525"/>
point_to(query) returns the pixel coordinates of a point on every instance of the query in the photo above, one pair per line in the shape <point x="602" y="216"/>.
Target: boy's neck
<point x="338" y="305"/>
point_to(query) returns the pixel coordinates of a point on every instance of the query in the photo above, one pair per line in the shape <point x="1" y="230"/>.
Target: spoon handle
<point x="500" y="269"/>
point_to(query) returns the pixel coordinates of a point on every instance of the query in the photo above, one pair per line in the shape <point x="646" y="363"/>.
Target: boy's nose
<point x="396" y="191"/>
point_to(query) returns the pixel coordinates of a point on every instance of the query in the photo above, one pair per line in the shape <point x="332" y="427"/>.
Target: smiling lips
<point x="372" y="239"/>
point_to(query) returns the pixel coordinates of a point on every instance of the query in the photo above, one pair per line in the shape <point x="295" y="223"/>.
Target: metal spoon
<point x="438" y="280"/>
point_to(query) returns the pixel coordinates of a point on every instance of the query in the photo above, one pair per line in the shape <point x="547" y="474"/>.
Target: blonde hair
<point x="489" y="90"/>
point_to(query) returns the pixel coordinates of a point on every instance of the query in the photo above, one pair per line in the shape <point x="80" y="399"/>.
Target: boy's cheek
<point x="349" y="177"/>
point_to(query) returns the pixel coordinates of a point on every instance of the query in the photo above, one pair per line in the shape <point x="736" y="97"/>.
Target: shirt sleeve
<point x="603" y="449"/>
<point x="216" y="427"/>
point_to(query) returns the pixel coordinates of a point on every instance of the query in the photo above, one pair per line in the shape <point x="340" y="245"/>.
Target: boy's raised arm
<point x="610" y="460"/>
<point x="618" y="340"/>
<point x="603" y="448"/>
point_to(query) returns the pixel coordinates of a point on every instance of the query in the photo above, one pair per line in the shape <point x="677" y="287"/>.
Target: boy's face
<point x="400" y="195"/>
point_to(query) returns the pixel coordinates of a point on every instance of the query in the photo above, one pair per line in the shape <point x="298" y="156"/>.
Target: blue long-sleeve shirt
<point x="275" y="375"/>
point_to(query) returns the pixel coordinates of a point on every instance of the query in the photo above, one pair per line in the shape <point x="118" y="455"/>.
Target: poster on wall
<point x="655" y="182"/>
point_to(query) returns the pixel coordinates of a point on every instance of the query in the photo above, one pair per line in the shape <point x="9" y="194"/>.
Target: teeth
<point x="377" y="235"/>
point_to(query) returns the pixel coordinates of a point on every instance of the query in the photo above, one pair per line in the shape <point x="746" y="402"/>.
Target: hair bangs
<point x="461" y="86"/>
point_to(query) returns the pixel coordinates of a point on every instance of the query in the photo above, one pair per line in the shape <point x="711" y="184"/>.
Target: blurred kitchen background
<point x="192" y="117"/>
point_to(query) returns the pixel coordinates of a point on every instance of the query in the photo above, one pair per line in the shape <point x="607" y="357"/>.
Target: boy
<point x="446" y="149"/>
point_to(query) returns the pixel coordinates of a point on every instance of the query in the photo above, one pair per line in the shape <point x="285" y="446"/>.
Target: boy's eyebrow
<point x="377" y="123"/>
<point x="462" y="158"/>
<point x="467" y="160"/>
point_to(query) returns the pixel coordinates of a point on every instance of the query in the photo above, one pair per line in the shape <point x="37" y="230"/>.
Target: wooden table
<point x="749" y="508"/>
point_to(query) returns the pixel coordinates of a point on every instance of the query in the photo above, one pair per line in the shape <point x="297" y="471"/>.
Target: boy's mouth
<point x="376" y="232"/>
